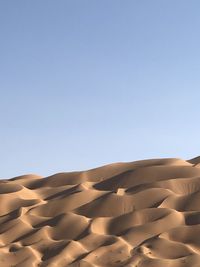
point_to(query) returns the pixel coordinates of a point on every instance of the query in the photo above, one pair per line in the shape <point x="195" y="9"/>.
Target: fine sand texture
<point x="143" y="213"/>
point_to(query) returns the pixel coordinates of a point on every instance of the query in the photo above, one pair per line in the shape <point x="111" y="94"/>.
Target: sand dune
<point x="144" y="213"/>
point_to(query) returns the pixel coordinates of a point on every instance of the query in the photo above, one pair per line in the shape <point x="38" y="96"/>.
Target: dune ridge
<point x="143" y="214"/>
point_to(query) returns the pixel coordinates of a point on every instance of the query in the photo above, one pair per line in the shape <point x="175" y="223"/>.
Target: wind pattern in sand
<point x="144" y="214"/>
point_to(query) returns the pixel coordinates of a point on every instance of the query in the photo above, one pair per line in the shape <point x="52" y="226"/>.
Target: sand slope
<point x="144" y="214"/>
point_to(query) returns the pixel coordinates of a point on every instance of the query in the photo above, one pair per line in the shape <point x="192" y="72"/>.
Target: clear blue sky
<point x="85" y="83"/>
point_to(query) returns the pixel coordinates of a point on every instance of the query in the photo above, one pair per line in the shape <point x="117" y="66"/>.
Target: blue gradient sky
<point x="85" y="83"/>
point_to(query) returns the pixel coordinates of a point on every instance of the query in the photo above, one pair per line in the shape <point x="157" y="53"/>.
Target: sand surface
<point x="144" y="213"/>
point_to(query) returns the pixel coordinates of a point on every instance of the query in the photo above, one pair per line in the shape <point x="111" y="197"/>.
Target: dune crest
<point x="143" y="213"/>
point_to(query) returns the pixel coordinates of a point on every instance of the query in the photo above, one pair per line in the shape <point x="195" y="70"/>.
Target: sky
<point x="87" y="83"/>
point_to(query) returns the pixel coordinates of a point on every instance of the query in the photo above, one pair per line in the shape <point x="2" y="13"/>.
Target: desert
<point x="144" y="213"/>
